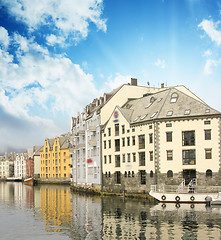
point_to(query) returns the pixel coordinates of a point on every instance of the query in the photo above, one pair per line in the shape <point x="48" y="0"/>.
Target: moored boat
<point x="187" y="196"/>
<point x="29" y="181"/>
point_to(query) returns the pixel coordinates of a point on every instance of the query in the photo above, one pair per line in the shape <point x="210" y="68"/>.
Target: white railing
<point x="181" y="186"/>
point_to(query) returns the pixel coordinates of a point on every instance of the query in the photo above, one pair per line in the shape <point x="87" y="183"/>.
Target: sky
<point x="56" y="56"/>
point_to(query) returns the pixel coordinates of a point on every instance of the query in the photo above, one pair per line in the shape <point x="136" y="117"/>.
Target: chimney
<point x="133" y="81"/>
<point x="162" y="85"/>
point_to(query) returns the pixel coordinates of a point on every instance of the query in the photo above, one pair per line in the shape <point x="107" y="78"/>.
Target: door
<point x="188" y="175"/>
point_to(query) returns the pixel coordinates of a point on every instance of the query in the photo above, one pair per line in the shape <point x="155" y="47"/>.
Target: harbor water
<point x="54" y="212"/>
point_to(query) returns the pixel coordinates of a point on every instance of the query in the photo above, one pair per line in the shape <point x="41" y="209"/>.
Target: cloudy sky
<point x="56" y="56"/>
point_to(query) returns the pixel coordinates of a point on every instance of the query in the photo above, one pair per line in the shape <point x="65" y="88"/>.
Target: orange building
<point x="55" y="158"/>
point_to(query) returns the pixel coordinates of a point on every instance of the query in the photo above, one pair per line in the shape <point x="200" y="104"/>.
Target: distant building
<point x="55" y="158"/>
<point x="7" y="165"/>
<point x="161" y="138"/>
<point x="30" y="164"/>
<point x="36" y="159"/>
<point x="20" y="165"/>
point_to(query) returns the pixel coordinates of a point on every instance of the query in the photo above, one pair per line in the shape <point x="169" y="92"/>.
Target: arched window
<point x="174" y="98"/>
<point x="170" y="174"/>
<point x="129" y="174"/>
<point x="209" y="173"/>
<point x="151" y="173"/>
<point x="125" y="174"/>
<point x="109" y="174"/>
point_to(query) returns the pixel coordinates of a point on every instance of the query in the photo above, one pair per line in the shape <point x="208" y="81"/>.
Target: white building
<point x="20" y="165"/>
<point x="7" y="165"/>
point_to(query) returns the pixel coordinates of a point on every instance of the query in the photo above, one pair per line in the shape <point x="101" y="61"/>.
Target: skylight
<point x="169" y="113"/>
<point x="148" y="105"/>
<point x="187" y="112"/>
<point x="207" y="110"/>
<point x="136" y="119"/>
<point x="143" y="117"/>
<point x="153" y="114"/>
<point x="174" y="97"/>
<point x="159" y="99"/>
<point x="173" y="100"/>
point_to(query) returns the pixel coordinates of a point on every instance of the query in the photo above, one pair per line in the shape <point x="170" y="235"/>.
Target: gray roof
<point x="170" y="103"/>
<point x="64" y="141"/>
<point x="37" y="149"/>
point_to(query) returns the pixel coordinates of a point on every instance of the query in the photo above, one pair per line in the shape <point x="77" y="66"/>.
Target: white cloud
<point x="160" y="63"/>
<point x="4" y="38"/>
<point x="115" y="82"/>
<point x="210" y="63"/>
<point x="68" y="18"/>
<point x="210" y="29"/>
<point x="207" y="53"/>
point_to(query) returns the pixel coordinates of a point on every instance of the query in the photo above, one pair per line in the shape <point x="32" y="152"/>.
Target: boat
<point x="29" y="181"/>
<point x="184" y="194"/>
<point x="217" y="200"/>
<point x="13" y="179"/>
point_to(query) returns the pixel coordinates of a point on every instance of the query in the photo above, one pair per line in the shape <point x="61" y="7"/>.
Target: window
<point x="109" y="158"/>
<point x="207" y="134"/>
<point x="174" y="98"/>
<point x="208" y="153"/>
<point x="141" y="139"/>
<point x="153" y="115"/>
<point x="117" y="145"/>
<point x="109" y="131"/>
<point x="209" y="173"/>
<point x="125" y="174"/>
<point x="64" y="167"/>
<point x="148" y="105"/>
<point x="118" y="177"/>
<point x="133" y="174"/>
<point x="109" y="143"/>
<point x="142" y="177"/>
<point x="134" y="157"/>
<point x="64" y="153"/>
<point x="116" y="129"/>
<point x="151" y="138"/>
<point x="207" y="122"/>
<point x="207" y="110"/>
<point x="169" y="136"/>
<point x="141" y="158"/>
<point x="133" y="129"/>
<point x="105" y="159"/>
<point x="129" y="174"/>
<point x="151" y="155"/>
<point x="133" y="140"/>
<point x="123" y="158"/>
<point x="46" y="149"/>
<point x="151" y="174"/>
<point x="56" y="162"/>
<point x="141" y="118"/>
<point x="150" y="126"/>
<point x="64" y="160"/>
<point x="117" y="161"/>
<point x="170" y="174"/>
<point x="123" y="142"/>
<point x="189" y="157"/>
<point x="188" y="138"/>
<point x="169" y="155"/>
<point x="168" y="124"/>
<point x="123" y="129"/>
<point x="105" y="145"/>
<point x="128" y="141"/>
<point x="56" y="148"/>
<point x="128" y="157"/>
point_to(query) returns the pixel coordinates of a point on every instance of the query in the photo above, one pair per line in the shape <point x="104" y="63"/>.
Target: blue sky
<point x="57" y="56"/>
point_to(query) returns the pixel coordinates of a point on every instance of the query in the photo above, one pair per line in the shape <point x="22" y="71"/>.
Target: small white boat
<point x="184" y="196"/>
<point x="216" y="200"/>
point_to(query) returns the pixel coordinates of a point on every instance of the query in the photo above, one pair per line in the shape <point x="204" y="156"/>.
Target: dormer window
<point x="187" y="112"/>
<point x="174" y="98"/>
<point x="159" y="99"/>
<point x="152" y="99"/>
<point x="169" y="113"/>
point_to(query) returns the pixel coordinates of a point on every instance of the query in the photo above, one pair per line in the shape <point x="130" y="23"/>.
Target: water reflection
<point x="56" y="213"/>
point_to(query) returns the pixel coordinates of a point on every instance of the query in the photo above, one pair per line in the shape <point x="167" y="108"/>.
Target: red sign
<point x="115" y="114"/>
<point x="89" y="160"/>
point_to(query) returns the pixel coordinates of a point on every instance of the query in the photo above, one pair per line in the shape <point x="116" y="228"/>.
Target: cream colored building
<point x="86" y="131"/>
<point x="161" y="138"/>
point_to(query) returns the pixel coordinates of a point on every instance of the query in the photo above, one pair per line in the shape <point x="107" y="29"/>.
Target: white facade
<point x="20" y="165"/>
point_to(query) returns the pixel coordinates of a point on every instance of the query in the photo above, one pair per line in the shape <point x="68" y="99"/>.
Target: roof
<point x="169" y="103"/>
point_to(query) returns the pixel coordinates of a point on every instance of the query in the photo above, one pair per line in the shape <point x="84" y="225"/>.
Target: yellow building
<point x="55" y="158"/>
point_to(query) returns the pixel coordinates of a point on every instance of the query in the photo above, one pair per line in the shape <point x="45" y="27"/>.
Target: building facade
<point x="161" y="138"/>
<point x="55" y="159"/>
<point x="36" y="159"/>
<point x="20" y="165"/>
<point x="86" y="132"/>
<point x="7" y="165"/>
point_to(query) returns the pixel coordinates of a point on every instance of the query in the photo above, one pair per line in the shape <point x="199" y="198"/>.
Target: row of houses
<point x="137" y="136"/>
<point x="21" y="165"/>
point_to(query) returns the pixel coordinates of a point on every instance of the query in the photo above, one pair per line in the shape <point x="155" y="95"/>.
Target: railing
<point x="181" y="186"/>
